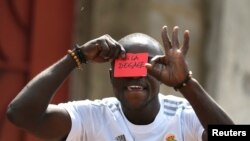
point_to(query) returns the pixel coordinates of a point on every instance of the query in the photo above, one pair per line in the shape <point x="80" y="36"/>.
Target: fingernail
<point x="123" y="55"/>
<point x="147" y="65"/>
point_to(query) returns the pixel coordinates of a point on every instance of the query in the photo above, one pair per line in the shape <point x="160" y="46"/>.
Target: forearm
<point x="207" y="110"/>
<point x="30" y="104"/>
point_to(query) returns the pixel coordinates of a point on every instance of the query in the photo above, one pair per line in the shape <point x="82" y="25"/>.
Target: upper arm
<point x="54" y="124"/>
<point x="204" y="136"/>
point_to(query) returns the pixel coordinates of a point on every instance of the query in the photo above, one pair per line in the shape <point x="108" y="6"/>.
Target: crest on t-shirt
<point x="120" y="138"/>
<point x="170" y="137"/>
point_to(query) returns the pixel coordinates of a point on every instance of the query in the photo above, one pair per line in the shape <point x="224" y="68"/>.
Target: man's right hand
<point x="102" y="49"/>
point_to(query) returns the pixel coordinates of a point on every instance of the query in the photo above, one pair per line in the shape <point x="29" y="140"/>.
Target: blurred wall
<point x="227" y="57"/>
<point x="33" y="35"/>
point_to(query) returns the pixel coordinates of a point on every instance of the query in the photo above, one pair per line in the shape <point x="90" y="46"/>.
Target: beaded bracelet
<point x="76" y="58"/>
<point x="184" y="82"/>
<point x="80" y="55"/>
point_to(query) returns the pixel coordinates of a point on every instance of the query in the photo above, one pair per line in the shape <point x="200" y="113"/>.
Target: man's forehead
<point x="138" y="43"/>
<point x="152" y="50"/>
<point x="142" y="39"/>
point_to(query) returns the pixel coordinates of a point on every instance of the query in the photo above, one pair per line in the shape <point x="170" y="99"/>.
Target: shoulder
<point x="174" y="100"/>
<point x="93" y="104"/>
<point x="173" y="105"/>
<point x="182" y="113"/>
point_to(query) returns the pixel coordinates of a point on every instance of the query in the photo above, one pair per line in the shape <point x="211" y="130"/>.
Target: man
<point x="137" y="113"/>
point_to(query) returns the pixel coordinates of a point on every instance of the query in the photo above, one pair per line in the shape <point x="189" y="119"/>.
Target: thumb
<point x="149" y="66"/>
<point x="154" y="70"/>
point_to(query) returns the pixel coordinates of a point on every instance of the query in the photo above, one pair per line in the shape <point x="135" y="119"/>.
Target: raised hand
<point x="171" y="68"/>
<point x="102" y="49"/>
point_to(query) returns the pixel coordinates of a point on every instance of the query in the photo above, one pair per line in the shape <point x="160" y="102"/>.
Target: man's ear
<point x="111" y="75"/>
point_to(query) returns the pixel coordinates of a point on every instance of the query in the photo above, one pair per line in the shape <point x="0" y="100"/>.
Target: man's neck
<point x="144" y="116"/>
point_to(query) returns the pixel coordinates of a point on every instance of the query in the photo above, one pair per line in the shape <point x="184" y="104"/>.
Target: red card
<point x="132" y="66"/>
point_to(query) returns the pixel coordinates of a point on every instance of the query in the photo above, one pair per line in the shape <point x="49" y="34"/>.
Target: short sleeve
<point x="192" y="128"/>
<point x="77" y="110"/>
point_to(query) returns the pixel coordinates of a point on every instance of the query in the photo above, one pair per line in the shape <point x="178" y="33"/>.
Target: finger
<point x="154" y="70"/>
<point x="150" y="69"/>
<point x="155" y="66"/>
<point x="175" y="41"/>
<point x="158" y="59"/>
<point x="165" y="38"/>
<point x="185" y="46"/>
<point x="112" y="48"/>
<point x="104" y="49"/>
<point x="119" y="50"/>
<point x="122" y="52"/>
<point x="115" y="53"/>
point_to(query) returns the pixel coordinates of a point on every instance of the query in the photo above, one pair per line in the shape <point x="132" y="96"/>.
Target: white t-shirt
<point x="103" y="120"/>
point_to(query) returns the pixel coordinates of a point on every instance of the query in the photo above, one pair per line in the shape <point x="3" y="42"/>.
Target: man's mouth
<point x="135" y="88"/>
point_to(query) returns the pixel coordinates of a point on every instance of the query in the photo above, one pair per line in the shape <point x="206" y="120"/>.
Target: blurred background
<point x="36" y="33"/>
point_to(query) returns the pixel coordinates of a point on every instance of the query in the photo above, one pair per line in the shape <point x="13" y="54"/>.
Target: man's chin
<point x="135" y="97"/>
<point x="130" y="106"/>
<point x="134" y="101"/>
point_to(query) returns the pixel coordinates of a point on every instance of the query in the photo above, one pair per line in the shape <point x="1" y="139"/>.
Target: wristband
<point x="75" y="58"/>
<point x="184" y="82"/>
<point x="80" y="55"/>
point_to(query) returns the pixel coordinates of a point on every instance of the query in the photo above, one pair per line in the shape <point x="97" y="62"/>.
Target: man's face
<point x="135" y="93"/>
